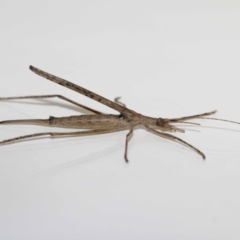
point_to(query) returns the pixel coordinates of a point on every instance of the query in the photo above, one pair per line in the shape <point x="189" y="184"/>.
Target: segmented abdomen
<point x="98" y="121"/>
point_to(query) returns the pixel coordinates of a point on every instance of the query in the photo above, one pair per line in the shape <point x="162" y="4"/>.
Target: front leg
<point x="173" y="138"/>
<point x="128" y="137"/>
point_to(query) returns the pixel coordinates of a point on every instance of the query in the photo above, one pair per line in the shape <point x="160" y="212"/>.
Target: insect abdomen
<point x="88" y="121"/>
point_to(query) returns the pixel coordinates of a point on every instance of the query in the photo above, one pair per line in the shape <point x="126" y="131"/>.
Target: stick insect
<point x="98" y="122"/>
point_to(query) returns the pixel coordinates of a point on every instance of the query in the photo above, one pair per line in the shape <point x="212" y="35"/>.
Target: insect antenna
<point x="198" y="116"/>
<point x="192" y="123"/>
<point x="220" y="119"/>
<point x="181" y="119"/>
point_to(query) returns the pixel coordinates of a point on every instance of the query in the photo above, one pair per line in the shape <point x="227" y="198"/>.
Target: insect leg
<point x="116" y="100"/>
<point x="80" y="90"/>
<point x="128" y="137"/>
<point x="173" y="138"/>
<point x="59" y="134"/>
<point x="51" y="96"/>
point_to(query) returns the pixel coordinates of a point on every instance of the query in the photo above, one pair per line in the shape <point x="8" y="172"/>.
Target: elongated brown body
<point x="89" y="121"/>
<point x="99" y="123"/>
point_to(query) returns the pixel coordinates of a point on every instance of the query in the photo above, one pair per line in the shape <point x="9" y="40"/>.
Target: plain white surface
<point x="164" y="58"/>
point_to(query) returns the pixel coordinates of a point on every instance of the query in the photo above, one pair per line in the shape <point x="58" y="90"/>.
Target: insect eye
<point x="160" y="121"/>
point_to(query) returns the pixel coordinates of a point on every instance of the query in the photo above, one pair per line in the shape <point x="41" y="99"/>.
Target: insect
<point x="99" y="123"/>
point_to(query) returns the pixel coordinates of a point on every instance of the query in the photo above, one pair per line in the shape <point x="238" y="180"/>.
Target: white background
<point x="165" y="59"/>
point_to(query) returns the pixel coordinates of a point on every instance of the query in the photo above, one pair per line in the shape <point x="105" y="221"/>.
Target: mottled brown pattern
<point x="79" y="89"/>
<point x="100" y="123"/>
